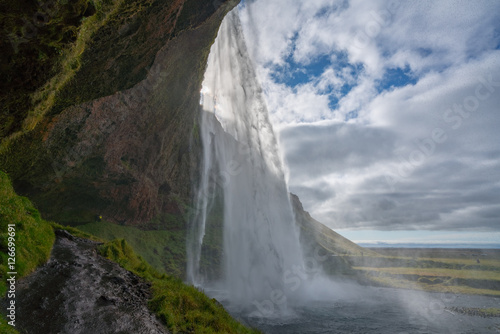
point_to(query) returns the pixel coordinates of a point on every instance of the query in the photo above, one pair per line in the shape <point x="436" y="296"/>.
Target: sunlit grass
<point x="165" y="250"/>
<point x="34" y="237"/>
<point x="468" y="262"/>
<point x="462" y="276"/>
<point x="6" y="328"/>
<point x="492" y="311"/>
<point x="182" y="308"/>
<point x="438" y="272"/>
<point x="411" y="285"/>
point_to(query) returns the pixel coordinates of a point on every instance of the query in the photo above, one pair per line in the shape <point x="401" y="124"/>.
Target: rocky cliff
<point x="321" y="242"/>
<point x="118" y="140"/>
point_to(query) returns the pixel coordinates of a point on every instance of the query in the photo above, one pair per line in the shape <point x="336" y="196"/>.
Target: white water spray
<point x="242" y="166"/>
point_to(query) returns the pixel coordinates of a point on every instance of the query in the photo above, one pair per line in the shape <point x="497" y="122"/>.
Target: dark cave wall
<point x="121" y="140"/>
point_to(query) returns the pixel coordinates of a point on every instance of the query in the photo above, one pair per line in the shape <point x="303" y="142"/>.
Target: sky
<point x="387" y="113"/>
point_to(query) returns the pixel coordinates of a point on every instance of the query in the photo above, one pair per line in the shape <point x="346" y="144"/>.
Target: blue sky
<point x="387" y="112"/>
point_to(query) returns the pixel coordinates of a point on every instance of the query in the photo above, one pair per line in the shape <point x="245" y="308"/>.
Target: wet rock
<point x="77" y="292"/>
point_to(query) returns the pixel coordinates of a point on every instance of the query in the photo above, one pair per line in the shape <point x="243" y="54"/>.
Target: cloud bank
<point x="387" y="111"/>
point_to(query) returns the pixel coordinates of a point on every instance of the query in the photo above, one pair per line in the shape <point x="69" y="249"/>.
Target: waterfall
<point x="242" y="181"/>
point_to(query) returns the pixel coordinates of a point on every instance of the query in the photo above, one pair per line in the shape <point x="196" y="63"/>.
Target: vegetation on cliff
<point x="36" y="37"/>
<point x="33" y="236"/>
<point x="181" y="307"/>
<point x="164" y="249"/>
<point x="32" y="239"/>
<point x="42" y="53"/>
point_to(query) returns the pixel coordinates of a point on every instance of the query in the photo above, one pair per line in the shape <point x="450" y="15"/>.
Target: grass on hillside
<point x="402" y="283"/>
<point x="165" y="250"/>
<point x="77" y="233"/>
<point x="437" y="272"/>
<point x="6" y="328"/>
<point x="457" y="275"/>
<point x="493" y="264"/>
<point x="181" y="307"/>
<point x="34" y="237"/>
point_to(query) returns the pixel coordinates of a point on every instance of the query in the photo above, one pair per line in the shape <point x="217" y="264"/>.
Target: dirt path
<point x="80" y="292"/>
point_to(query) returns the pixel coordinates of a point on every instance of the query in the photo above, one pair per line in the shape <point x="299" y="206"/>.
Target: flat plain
<point x="464" y="271"/>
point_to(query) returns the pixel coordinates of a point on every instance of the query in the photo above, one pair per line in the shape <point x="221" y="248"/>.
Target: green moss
<point x="33" y="240"/>
<point x="34" y="237"/>
<point x="6" y="328"/>
<point x="76" y="232"/>
<point x="37" y="35"/>
<point x="182" y="308"/>
<point x="44" y="60"/>
<point x="164" y="249"/>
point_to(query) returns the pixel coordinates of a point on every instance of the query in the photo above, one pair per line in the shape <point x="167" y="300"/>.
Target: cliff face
<point x="323" y="244"/>
<point x="314" y="234"/>
<point x="121" y="139"/>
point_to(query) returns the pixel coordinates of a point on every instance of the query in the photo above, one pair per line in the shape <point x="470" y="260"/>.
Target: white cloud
<point x="384" y="169"/>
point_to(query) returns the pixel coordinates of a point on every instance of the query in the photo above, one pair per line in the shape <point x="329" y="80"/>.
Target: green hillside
<point x="182" y="308"/>
<point x="316" y="232"/>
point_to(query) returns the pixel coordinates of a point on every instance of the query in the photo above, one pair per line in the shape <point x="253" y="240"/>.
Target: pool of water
<point x="377" y="310"/>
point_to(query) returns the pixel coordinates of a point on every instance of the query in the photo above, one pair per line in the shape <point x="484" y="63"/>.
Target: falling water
<point x="242" y="169"/>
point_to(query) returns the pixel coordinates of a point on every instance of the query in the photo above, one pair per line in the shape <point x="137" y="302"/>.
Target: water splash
<point x="242" y="170"/>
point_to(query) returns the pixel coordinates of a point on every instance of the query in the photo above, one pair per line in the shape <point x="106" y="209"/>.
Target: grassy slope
<point x="34" y="237"/>
<point x="5" y="328"/>
<point x="181" y="307"/>
<point x="334" y="242"/>
<point x="33" y="240"/>
<point x="324" y="236"/>
<point x="318" y="239"/>
<point x="165" y="250"/>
